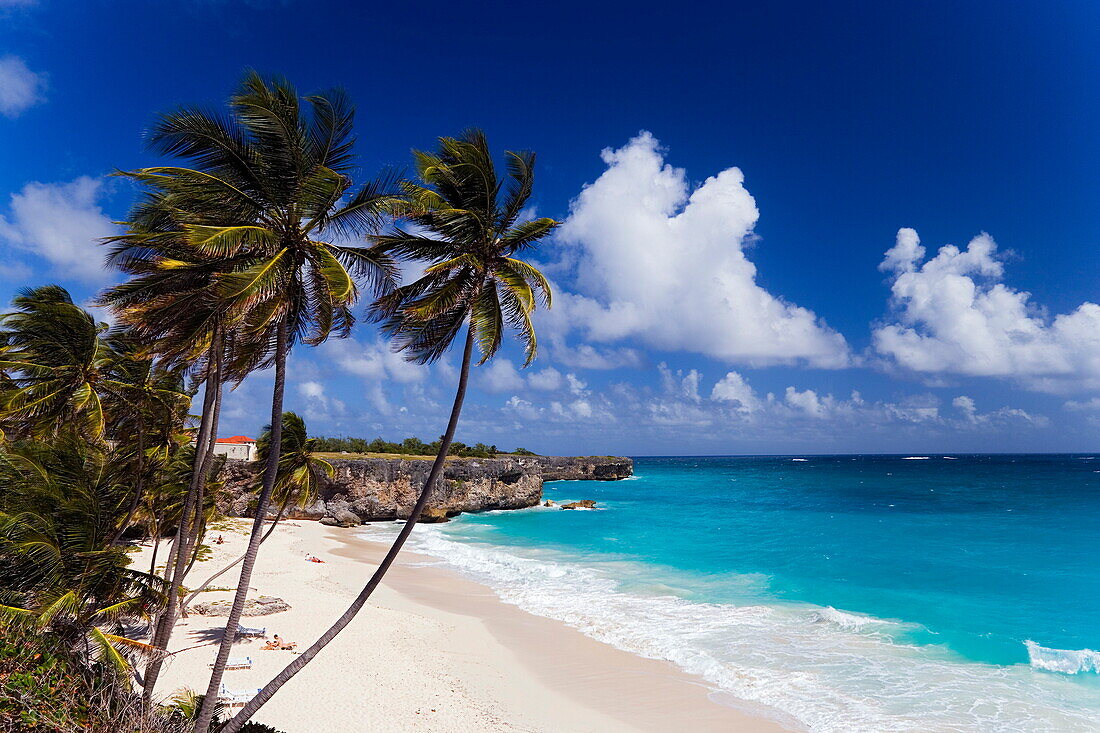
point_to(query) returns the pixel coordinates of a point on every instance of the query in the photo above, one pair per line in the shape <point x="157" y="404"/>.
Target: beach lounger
<point x="237" y="663"/>
<point x="231" y="698"/>
<point x="246" y="631"/>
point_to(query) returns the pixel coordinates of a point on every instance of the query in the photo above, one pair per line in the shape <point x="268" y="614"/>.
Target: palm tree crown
<point x="468" y="227"/>
<point x="53" y="357"/>
<point x="263" y="212"/>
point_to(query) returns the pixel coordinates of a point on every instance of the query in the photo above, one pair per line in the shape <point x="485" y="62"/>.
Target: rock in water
<point x="433" y="515"/>
<point x="582" y="504"/>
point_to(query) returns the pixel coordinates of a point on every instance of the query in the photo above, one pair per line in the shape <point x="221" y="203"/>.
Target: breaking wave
<point x="830" y="615"/>
<point x="1066" y="661"/>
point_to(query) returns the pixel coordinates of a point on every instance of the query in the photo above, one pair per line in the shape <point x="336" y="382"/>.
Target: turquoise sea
<point x="848" y="593"/>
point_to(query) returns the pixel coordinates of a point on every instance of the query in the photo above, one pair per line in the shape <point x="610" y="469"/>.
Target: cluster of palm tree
<point x="93" y="431"/>
<point x="258" y="240"/>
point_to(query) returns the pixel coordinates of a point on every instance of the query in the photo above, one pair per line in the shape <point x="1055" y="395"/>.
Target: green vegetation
<point x="241" y="247"/>
<point x="95" y="447"/>
<point x="407" y="447"/>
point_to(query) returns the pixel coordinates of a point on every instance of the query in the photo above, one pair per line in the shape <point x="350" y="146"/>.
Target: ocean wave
<point x="800" y="460"/>
<point x="1066" y="661"/>
<point x="915" y="458"/>
<point x="844" y="620"/>
<point x="840" y="672"/>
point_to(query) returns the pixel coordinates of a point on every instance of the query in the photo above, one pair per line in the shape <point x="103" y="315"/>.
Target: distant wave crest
<point x="830" y="615"/>
<point x="1066" y="661"/>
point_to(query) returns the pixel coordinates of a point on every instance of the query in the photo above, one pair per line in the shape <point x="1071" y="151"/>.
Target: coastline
<point x="432" y="651"/>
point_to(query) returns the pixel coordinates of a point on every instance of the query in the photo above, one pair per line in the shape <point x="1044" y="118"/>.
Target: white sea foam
<point x="830" y="670"/>
<point x="950" y="458"/>
<point x="800" y="460"/>
<point x="844" y="620"/>
<point x="915" y="458"/>
<point x="1066" y="661"/>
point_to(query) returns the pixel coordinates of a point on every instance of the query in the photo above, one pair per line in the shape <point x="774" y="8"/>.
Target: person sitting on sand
<point x="219" y="541"/>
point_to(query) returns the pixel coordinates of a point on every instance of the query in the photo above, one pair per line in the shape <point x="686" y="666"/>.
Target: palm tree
<point x="63" y="577"/>
<point x="170" y="303"/>
<point x="147" y="410"/>
<point x="468" y="230"/>
<point x="240" y="247"/>
<point x="171" y="309"/>
<point x="53" y="358"/>
<point x="298" y="482"/>
<point x="268" y="197"/>
<point x="64" y="373"/>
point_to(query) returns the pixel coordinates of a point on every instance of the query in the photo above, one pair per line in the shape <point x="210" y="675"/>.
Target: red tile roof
<point x="237" y="439"/>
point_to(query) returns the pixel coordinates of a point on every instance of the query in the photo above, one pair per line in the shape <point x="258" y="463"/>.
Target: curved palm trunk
<point x="177" y="557"/>
<point x="206" y="712"/>
<point x="235" y="563"/>
<point x="234" y="725"/>
<point x="204" y="473"/>
<point x="156" y="547"/>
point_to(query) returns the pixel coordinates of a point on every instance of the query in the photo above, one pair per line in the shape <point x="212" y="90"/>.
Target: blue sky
<point x="756" y="203"/>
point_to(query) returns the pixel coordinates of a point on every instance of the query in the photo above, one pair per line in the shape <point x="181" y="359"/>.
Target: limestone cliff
<point x="372" y="489"/>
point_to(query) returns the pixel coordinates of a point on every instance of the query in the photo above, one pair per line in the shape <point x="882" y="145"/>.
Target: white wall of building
<point x="239" y="451"/>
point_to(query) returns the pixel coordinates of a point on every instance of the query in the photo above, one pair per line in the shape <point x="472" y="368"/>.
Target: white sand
<point x="431" y="651"/>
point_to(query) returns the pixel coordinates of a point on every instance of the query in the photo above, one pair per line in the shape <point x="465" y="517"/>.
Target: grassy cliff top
<point x="337" y="455"/>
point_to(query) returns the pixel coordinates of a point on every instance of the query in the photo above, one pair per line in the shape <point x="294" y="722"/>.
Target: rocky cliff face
<point x="373" y="489"/>
<point x="587" y="468"/>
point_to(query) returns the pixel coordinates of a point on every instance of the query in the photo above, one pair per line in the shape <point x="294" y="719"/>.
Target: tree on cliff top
<point x="467" y="228"/>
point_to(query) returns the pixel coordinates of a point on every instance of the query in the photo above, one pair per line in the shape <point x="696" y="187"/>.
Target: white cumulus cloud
<point x="500" y="375"/>
<point x="807" y="401"/>
<point x="548" y="379"/>
<point x="373" y="360"/>
<point x="666" y="265"/>
<point x="62" y="224"/>
<point x="20" y="88"/>
<point x="734" y="389"/>
<point x="953" y="314"/>
<point x="318" y="403"/>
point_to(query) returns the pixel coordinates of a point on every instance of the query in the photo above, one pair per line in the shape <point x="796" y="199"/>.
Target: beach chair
<point x="237" y="663"/>
<point x="232" y="698"/>
<point x="246" y="631"/>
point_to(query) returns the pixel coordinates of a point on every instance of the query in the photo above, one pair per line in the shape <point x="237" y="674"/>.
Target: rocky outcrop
<point x="582" y="504"/>
<point x="585" y="468"/>
<point x="378" y="489"/>
<point x="260" y="606"/>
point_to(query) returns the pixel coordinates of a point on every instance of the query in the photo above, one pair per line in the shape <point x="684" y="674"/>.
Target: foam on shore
<point x="830" y="670"/>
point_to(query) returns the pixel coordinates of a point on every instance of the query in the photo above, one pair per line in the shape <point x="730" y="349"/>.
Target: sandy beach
<point x="432" y="651"/>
